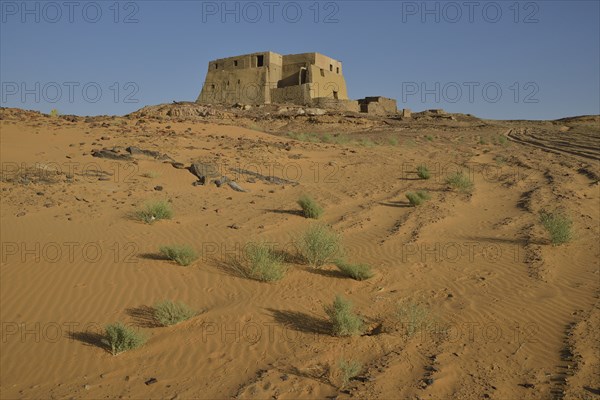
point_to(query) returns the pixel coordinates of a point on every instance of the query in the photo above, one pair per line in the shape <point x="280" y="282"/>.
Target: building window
<point x="338" y="70"/>
<point x="322" y="72"/>
<point x="331" y="67"/>
<point x="335" y="95"/>
<point x="260" y="60"/>
<point x="216" y="65"/>
<point x="235" y="63"/>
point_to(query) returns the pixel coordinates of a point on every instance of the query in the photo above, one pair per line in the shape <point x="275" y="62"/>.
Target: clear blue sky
<point x="543" y="56"/>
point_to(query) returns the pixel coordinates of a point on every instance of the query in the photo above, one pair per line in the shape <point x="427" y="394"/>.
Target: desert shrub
<point x="502" y="140"/>
<point x="413" y="317"/>
<point x="366" y="143"/>
<point x="54" y="112"/>
<point x="460" y="181"/>
<point x="319" y="245"/>
<point x="181" y="254"/>
<point x="414" y="199"/>
<point x="154" y="211"/>
<point x="558" y="225"/>
<point x="169" y="313"/>
<point x="121" y="338"/>
<point x="327" y="138"/>
<point x="423" y="172"/>
<point x="310" y="208"/>
<point x="393" y="141"/>
<point x="348" y="370"/>
<point x="417" y="198"/>
<point x="343" y="320"/>
<point x="262" y="263"/>
<point x="423" y="194"/>
<point x="359" y="272"/>
<point x="429" y="138"/>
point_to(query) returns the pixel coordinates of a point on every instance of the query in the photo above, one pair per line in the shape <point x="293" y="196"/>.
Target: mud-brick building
<point x="308" y="79"/>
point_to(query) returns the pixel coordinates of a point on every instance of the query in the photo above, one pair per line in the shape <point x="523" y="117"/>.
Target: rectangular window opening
<point x="260" y="61"/>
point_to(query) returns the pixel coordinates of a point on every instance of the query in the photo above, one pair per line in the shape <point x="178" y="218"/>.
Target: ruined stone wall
<point x="240" y="80"/>
<point x="378" y="105"/>
<point x="337" y="105"/>
<point x="299" y="94"/>
<point x="252" y="78"/>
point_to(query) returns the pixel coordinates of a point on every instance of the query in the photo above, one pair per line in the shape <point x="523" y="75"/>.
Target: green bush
<point x="343" y="320"/>
<point x="181" y="254"/>
<point x="319" y="245"/>
<point x="154" y="211"/>
<point x="310" y="208"/>
<point x="263" y="264"/>
<point x="418" y="198"/>
<point x="460" y="181"/>
<point x="558" y="225"/>
<point x="423" y="172"/>
<point x="413" y="317"/>
<point x="121" y="338"/>
<point x="429" y="138"/>
<point x="359" y="272"/>
<point x="169" y="313"/>
<point x="348" y="370"/>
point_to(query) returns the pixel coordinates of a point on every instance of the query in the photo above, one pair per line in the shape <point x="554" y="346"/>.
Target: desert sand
<point x="512" y="315"/>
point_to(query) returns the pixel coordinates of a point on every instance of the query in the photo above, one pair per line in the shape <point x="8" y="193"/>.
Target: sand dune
<point x="512" y="316"/>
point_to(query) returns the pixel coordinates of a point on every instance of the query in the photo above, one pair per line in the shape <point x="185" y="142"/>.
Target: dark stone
<point x="151" y="381"/>
<point x="158" y="188"/>
<point x="178" y="165"/>
<point x="204" y="170"/>
<point x="110" y="154"/>
<point x="235" y="186"/>
<point x="221" y="181"/>
<point x="527" y="385"/>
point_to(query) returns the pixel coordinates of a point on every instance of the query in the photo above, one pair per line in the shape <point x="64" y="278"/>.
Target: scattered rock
<point x="157" y="155"/>
<point x="221" y="181"/>
<point x="202" y="171"/>
<point x="315" y="111"/>
<point x="151" y="381"/>
<point x="158" y="188"/>
<point x="21" y="214"/>
<point x="527" y="385"/>
<point x="178" y="165"/>
<point x="235" y="226"/>
<point x="105" y="138"/>
<point x="269" y="179"/>
<point x="235" y="186"/>
<point x="111" y="154"/>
